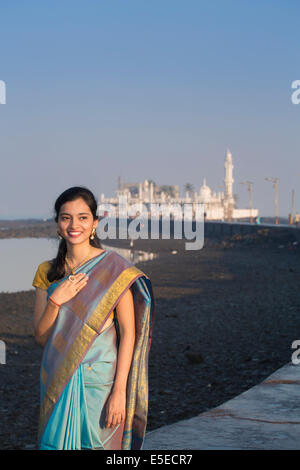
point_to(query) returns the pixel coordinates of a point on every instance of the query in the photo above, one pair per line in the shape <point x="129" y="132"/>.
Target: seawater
<point x="20" y="258"/>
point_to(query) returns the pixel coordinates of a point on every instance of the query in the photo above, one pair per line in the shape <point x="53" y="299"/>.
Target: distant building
<point x="147" y="191"/>
<point x="217" y="205"/>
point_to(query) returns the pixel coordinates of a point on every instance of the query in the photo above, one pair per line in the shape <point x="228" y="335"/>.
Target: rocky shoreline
<point x="225" y="319"/>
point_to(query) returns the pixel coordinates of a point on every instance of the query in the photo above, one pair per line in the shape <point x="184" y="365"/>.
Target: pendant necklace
<point x="72" y="270"/>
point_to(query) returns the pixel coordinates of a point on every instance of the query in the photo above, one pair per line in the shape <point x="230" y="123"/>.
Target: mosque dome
<point x="205" y="192"/>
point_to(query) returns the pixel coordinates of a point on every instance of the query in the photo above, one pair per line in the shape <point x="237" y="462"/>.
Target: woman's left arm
<point x="116" y="404"/>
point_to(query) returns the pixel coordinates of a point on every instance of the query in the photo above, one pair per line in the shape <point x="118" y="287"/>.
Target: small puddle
<point x="134" y="256"/>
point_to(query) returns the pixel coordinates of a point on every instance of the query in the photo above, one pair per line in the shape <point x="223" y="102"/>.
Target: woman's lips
<point x="74" y="234"/>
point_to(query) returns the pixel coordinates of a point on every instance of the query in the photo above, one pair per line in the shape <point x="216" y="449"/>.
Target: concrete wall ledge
<point x="265" y="417"/>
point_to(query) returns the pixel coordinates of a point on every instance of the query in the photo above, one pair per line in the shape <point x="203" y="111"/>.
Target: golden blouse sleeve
<point x="40" y="278"/>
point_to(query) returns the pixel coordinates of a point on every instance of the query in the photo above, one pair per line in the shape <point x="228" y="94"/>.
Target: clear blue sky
<point x="147" y="89"/>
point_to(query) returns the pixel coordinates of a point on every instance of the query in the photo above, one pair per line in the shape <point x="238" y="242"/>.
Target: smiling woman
<point x="94" y="315"/>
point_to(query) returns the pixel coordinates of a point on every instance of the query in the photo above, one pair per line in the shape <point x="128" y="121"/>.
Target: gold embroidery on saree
<point x="137" y="389"/>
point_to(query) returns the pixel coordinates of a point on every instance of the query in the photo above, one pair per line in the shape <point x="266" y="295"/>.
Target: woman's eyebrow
<point x="81" y="213"/>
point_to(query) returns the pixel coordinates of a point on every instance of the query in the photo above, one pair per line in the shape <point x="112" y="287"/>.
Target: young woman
<point x="93" y="315"/>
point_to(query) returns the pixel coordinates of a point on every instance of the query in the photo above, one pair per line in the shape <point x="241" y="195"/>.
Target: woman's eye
<point x="66" y="218"/>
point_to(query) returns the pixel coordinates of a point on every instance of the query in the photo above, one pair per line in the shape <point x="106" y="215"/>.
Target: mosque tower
<point x="228" y="180"/>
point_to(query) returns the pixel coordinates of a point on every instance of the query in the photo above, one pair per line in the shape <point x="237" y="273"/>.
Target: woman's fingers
<point x="80" y="284"/>
<point x="83" y="279"/>
<point x="116" y="419"/>
<point x="77" y="278"/>
<point x="80" y="281"/>
<point x="113" y="419"/>
<point x="110" y="420"/>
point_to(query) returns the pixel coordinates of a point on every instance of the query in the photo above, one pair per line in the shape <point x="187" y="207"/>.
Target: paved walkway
<point x="266" y="416"/>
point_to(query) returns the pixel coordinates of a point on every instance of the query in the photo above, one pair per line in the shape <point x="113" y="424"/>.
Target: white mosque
<point x="217" y="205"/>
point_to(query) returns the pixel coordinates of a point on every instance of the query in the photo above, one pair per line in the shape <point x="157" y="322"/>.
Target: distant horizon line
<point x="32" y="217"/>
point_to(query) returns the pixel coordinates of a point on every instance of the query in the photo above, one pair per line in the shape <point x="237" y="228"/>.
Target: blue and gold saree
<point x="79" y="362"/>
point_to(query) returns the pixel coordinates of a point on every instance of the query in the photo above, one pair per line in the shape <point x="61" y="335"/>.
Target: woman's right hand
<point x="68" y="289"/>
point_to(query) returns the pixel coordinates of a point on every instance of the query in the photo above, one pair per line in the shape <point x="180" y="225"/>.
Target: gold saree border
<point x="137" y="388"/>
<point x="84" y="338"/>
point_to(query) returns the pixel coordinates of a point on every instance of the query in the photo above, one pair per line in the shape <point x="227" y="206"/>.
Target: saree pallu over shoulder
<point x="78" y="325"/>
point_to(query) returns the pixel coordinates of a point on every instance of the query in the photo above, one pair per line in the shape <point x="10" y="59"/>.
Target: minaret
<point x="228" y="175"/>
<point x="228" y="180"/>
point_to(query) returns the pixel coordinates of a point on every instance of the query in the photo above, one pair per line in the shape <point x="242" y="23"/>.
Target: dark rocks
<point x="194" y="357"/>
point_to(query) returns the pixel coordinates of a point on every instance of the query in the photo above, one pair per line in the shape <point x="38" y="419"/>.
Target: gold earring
<point x="59" y="235"/>
<point x="93" y="234"/>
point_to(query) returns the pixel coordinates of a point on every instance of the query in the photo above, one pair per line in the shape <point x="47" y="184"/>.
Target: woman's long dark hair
<point x="57" y="270"/>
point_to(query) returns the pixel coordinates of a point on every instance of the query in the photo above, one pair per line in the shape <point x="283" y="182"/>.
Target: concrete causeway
<point x="265" y="417"/>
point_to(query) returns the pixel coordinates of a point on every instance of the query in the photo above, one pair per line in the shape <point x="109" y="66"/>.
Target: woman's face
<point x="75" y="221"/>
